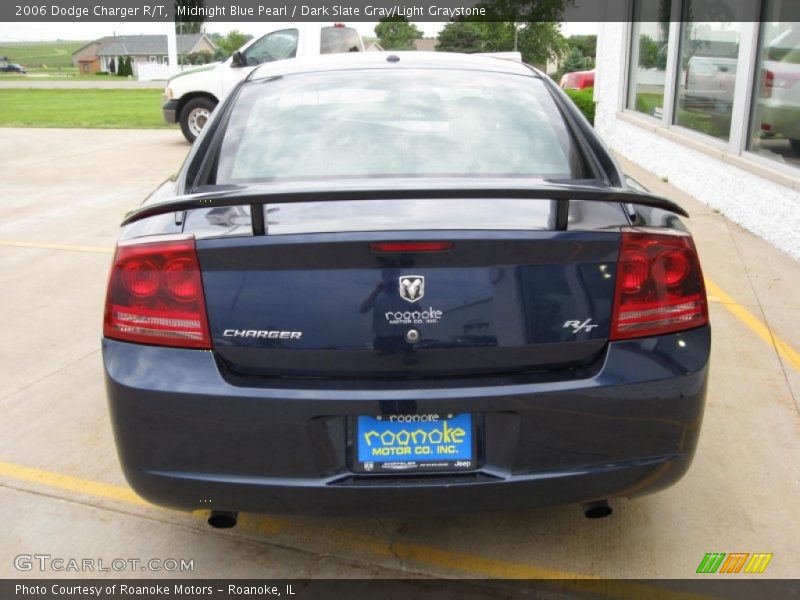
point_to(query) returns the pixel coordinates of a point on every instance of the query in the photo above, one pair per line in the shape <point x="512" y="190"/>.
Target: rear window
<point x="334" y="40"/>
<point x="401" y="123"/>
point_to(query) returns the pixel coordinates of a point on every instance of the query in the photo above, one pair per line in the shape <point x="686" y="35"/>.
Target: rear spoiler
<point x="402" y="189"/>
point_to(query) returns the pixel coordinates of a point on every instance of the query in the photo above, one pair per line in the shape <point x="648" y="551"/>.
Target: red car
<point x="577" y="80"/>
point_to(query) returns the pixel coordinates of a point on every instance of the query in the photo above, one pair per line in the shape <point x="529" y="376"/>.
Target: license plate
<point x="396" y="443"/>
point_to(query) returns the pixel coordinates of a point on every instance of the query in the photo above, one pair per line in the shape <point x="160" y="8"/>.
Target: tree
<point x="536" y="25"/>
<point x="536" y="41"/>
<point x="189" y="23"/>
<point x="575" y="61"/>
<point x="498" y="36"/>
<point x="541" y="41"/>
<point x="396" y="33"/>
<point x="233" y="41"/>
<point x="650" y="54"/>
<point x="587" y="44"/>
<point x="460" y="36"/>
<point x="112" y="66"/>
<point x="125" y="66"/>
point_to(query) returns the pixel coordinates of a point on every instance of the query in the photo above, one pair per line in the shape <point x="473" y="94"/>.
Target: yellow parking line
<point x="479" y="565"/>
<point x="69" y="247"/>
<point x="348" y="542"/>
<point x="754" y="324"/>
<point x="71" y="484"/>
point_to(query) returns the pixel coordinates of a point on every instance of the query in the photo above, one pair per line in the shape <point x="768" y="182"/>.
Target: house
<point x="711" y="105"/>
<point x="100" y="54"/>
<point x="425" y="44"/>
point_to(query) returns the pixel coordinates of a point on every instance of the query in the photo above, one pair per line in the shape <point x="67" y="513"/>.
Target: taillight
<point x="155" y="295"/>
<point x="767" y="83"/>
<point x="659" y="285"/>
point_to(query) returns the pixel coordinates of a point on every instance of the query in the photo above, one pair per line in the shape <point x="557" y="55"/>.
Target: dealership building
<point x="714" y="106"/>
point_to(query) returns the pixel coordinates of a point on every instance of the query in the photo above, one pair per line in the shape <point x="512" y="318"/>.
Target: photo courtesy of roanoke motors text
<point x="475" y="299"/>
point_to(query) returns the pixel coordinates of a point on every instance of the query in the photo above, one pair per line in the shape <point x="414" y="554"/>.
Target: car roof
<point x="391" y="60"/>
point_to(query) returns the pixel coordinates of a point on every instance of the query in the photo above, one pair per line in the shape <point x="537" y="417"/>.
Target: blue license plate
<point x="414" y="442"/>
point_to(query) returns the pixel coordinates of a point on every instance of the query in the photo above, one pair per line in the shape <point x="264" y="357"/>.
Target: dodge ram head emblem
<point x="412" y="287"/>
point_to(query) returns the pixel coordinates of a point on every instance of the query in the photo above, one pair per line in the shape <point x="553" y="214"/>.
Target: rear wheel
<point x="195" y="115"/>
<point x="795" y="145"/>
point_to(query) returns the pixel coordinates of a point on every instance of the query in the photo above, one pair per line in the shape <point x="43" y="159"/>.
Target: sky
<point x="28" y="32"/>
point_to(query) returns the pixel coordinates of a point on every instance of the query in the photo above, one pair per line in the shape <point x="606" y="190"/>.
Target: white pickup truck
<point x="190" y="97"/>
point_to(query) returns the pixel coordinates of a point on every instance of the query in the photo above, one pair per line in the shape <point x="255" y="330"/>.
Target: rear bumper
<point x="170" y="111"/>
<point x="190" y="437"/>
<point x="783" y="118"/>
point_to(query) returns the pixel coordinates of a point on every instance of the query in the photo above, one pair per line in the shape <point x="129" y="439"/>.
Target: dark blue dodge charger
<point x="403" y="283"/>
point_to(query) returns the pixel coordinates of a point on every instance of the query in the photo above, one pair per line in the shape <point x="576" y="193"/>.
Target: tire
<point x="795" y="145"/>
<point x="194" y="115"/>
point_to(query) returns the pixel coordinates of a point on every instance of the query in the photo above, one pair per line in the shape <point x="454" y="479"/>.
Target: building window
<point x="708" y="60"/>
<point x="649" y="51"/>
<point x="164" y="60"/>
<point x="152" y="59"/>
<point x="775" y="120"/>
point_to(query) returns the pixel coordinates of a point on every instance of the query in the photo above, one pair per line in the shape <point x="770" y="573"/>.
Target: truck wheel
<point x="795" y="145"/>
<point x="194" y="116"/>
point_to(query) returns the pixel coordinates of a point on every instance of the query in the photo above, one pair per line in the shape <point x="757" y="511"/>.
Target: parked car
<point x="13" y="68"/>
<point x="710" y="83"/>
<point x="577" y="80"/>
<point x="778" y="105"/>
<point x="190" y="97"/>
<point x="403" y="282"/>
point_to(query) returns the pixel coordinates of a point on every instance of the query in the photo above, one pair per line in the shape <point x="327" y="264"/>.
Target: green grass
<point x="40" y="54"/>
<point x="97" y="109"/>
<point x="710" y="123"/>
<point x="648" y="102"/>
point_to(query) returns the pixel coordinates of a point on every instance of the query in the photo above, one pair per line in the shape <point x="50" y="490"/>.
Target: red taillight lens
<point x="140" y="277"/>
<point x="671" y="267"/>
<point x="659" y="286"/>
<point x="155" y="295"/>
<point x="182" y="279"/>
<point x="633" y="271"/>
<point x="411" y="246"/>
<point x="767" y="83"/>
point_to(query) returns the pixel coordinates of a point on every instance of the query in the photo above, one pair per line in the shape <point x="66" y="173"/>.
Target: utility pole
<point x="172" y="47"/>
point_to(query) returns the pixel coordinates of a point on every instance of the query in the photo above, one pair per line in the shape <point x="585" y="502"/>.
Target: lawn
<point x="710" y="122"/>
<point x="41" y="54"/>
<point x="104" y="109"/>
<point x="649" y="102"/>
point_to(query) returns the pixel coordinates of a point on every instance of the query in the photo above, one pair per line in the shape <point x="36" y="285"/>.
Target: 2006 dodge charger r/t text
<point x="411" y="282"/>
